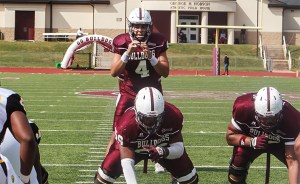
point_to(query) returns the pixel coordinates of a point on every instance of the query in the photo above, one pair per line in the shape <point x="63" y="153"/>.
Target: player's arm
<point x="236" y="137"/>
<point x="296" y="151"/>
<point x="162" y="66"/>
<point x="174" y="151"/>
<point x="24" y="135"/>
<point x="292" y="164"/>
<point x="127" y="161"/>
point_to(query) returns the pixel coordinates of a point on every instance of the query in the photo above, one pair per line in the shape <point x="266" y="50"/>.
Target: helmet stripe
<point x="268" y="99"/>
<point x="140" y="13"/>
<point x="152" y="99"/>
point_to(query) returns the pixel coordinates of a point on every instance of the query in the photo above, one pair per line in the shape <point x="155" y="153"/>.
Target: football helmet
<point x="139" y="16"/>
<point x="268" y="108"/>
<point x="149" y="106"/>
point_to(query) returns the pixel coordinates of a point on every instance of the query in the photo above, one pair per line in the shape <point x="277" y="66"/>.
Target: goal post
<point x="216" y="49"/>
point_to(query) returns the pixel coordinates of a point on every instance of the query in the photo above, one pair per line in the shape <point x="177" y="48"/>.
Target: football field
<point x="74" y="113"/>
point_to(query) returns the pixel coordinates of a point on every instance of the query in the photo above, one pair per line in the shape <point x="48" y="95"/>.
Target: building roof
<point x="291" y="4"/>
<point x="58" y="1"/>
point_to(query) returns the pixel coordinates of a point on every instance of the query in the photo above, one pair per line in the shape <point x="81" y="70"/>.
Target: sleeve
<point x="14" y="103"/>
<point x="119" y="44"/>
<point x="164" y="43"/>
<point x="128" y="170"/>
<point x="126" y="129"/>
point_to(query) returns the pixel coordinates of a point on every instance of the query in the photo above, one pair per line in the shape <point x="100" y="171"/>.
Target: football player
<point x="10" y="148"/>
<point x="19" y="155"/>
<point x="151" y="129"/>
<point x="263" y="122"/>
<point x="141" y="58"/>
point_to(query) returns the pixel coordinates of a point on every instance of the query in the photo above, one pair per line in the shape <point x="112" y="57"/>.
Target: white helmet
<point x="150" y="106"/>
<point x="140" y="16"/>
<point x="268" y="107"/>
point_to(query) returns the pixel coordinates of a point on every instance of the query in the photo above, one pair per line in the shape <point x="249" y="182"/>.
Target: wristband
<point x="243" y="140"/>
<point x="253" y="143"/>
<point x="24" y="179"/>
<point x="161" y="151"/>
<point x="153" y="61"/>
<point x="124" y="57"/>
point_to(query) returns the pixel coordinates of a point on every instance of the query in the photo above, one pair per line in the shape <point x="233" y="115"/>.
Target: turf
<point x="75" y="128"/>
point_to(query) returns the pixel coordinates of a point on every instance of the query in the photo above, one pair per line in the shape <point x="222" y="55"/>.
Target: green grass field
<point x="75" y="128"/>
<point x="186" y="56"/>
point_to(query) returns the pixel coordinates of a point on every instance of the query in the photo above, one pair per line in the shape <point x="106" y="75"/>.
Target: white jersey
<point x="9" y="147"/>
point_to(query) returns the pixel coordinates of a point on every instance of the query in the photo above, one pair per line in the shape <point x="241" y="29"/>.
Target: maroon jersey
<point x="139" y="73"/>
<point x="130" y="133"/>
<point x="244" y="119"/>
<point x="135" y="136"/>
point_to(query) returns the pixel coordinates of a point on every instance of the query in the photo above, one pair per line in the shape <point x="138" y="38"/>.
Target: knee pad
<point x="104" y="178"/>
<point x="240" y="172"/>
<point x="232" y="181"/>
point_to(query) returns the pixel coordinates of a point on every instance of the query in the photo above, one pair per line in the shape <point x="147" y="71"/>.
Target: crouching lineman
<point x="19" y="134"/>
<point x="151" y="129"/>
<point x="263" y="122"/>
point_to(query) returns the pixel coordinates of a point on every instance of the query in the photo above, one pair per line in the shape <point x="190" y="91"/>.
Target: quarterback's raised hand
<point x="156" y="153"/>
<point x="260" y="142"/>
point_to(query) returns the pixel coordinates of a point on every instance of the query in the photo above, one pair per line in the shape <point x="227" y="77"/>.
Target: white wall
<point x="272" y="19"/>
<point x="291" y="20"/>
<point x="1" y="16"/>
<point x="65" y="18"/>
<point x="9" y="19"/>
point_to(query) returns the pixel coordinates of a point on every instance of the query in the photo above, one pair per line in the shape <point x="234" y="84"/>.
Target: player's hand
<point x="260" y="142"/>
<point x="155" y="153"/>
<point x="146" y="50"/>
<point x="132" y="46"/>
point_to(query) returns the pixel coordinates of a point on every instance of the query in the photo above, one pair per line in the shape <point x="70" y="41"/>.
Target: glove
<point x="260" y="142"/>
<point x="156" y="153"/>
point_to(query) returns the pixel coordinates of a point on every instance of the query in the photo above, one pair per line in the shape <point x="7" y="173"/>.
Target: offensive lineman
<point x="14" y="126"/>
<point x="140" y="58"/>
<point x="149" y="129"/>
<point x="263" y="122"/>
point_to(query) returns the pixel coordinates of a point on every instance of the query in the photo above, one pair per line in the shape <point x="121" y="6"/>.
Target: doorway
<point x="24" y="25"/>
<point x="192" y="34"/>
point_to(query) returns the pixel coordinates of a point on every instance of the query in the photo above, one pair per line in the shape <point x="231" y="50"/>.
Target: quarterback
<point x="140" y="58"/>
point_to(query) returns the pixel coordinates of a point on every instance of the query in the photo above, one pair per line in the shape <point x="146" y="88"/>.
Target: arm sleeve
<point x="175" y="150"/>
<point x="128" y="170"/>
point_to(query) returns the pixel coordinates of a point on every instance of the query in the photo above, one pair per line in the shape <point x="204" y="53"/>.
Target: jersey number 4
<point x="142" y="70"/>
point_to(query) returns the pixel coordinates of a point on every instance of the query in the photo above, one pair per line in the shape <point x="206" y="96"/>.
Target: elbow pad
<point x="175" y="150"/>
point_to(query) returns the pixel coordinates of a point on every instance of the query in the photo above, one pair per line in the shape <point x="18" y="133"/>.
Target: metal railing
<point x="263" y="52"/>
<point x="287" y="53"/>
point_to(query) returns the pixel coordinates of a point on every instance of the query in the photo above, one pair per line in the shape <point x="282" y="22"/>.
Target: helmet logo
<point x="140" y="13"/>
<point x="152" y="100"/>
<point x="268" y="100"/>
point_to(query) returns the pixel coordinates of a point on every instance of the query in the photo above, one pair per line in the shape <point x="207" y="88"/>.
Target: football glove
<point x="156" y="153"/>
<point x="260" y="142"/>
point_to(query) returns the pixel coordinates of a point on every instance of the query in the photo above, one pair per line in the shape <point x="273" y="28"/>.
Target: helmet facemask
<point x="268" y="123"/>
<point x="150" y="122"/>
<point x="140" y="16"/>
<point x="268" y="108"/>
